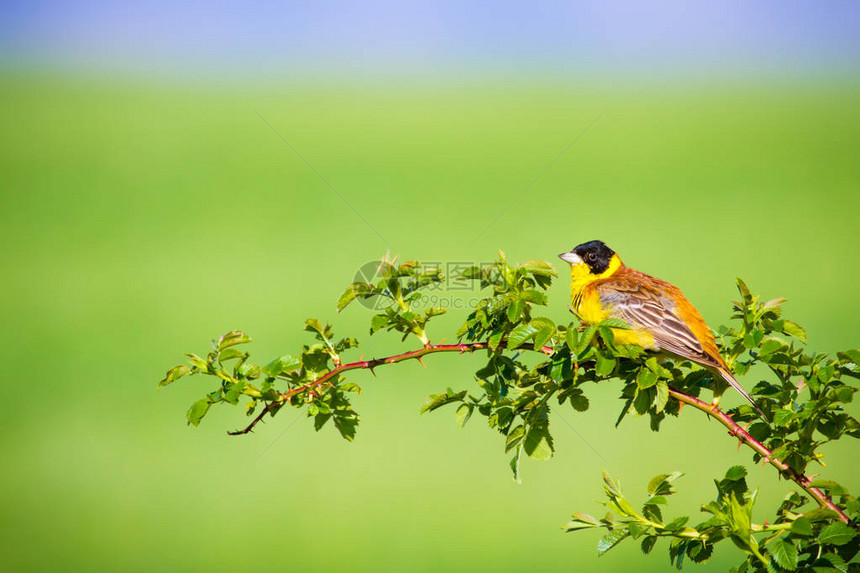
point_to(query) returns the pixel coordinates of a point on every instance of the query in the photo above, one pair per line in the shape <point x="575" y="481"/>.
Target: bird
<point x="659" y="316"/>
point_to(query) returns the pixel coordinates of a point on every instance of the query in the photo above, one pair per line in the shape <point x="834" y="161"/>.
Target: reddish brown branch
<point x="734" y="428"/>
<point x="286" y="397"/>
<point x="744" y="436"/>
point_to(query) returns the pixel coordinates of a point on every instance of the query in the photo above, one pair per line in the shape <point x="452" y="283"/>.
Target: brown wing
<point x="648" y="307"/>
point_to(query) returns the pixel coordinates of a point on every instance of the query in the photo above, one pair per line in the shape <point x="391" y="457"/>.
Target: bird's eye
<point x="591" y="256"/>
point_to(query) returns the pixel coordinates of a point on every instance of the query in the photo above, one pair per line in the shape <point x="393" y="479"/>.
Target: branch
<point x="735" y="429"/>
<point x="740" y="433"/>
<point x="286" y="397"/>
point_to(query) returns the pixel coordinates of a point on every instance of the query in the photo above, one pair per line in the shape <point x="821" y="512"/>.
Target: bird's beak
<point x="570" y="257"/>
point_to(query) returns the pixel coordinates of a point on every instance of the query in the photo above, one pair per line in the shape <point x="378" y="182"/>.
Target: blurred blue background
<point x="171" y="172"/>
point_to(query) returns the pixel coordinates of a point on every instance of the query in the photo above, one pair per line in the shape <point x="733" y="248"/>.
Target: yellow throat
<point x="588" y="308"/>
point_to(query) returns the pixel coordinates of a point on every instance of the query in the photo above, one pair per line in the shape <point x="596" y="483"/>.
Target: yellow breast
<point x="586" y="304"/>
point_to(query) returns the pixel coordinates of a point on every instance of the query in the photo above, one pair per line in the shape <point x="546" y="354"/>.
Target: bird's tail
<point x="737" y="386"/>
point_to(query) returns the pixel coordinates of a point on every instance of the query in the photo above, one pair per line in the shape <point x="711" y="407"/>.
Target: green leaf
<point x="233" y="338"/>
<point x="378" y="321"/>
<point x="771" y="344"/>
<point x="645" y="379"/>
<point x="655" y="367"/>
<point x="743" y="289"/>
<point x="662" y="484"/>
<point x="538" y="443"/>
<point x="782" y="417"/>
<point x="735" y="473"/>
<point x="676" y="524"/>
<point x="585" y="338"/>
<point x="173" y="375"/>
<point x="614" y="323"/>
<point x="314" y="325"/>
<point x="784" y="553"/>
<point x="534" y="297"/>
<point x="515" y="310"/>
<point x="610" y="540"/>
<point x="346" y="297"/>
<point x="604" y="365"/>
<point x="286" y="363"/>
<point x="836" y="534"/>
<point x="793" y="329"/>
<point x="520" y="334"/>
<point x="581" y="521"/>
<point x="435" y="401"/>
<point x="612" y="486"/>
<point x="197" y="410"/>
<point x="801" y="526"/>
<point x="230" y="354"/>
<point x="648" y="544"/>
<point x="662" y="395"/>
<point x="495" y="339"/>
<point x="538" y="267"/>
<point x="346" y="422"/>
<point x="831" y="486"/>
<point x="464" y="412"/>
<point x="542" y="336"/>
<point x="571" y="338"/>
<point x="579" y="402"/>
<point x="514" y="438"/>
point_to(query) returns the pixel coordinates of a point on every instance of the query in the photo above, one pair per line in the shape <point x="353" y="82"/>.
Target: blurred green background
<point x="143" y="216"/>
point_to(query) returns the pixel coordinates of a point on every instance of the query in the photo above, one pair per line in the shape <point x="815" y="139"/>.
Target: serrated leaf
<point x="645" y="379"/>
<point x="648" y="544"/>
<point x="377" y="322"/>
<point x="464" y="412"/>
<point x="784" y="553"/>
<point x="542" y="336"/>
<point x="612" y="486"/>
<point x="173" y="375"/>
<point x="514" y="438"/>
<point x="233" y="338"/>
<point x="743" y="289"/>
<point x="285" y="363"/>
<point x="346" y="424"/>
<point x="515" y="310"/>
<point x="230" y="354"/>
<point x="794" y="329"/>
<point x="610" y="540"/>
<point x="662" y="395"/>
<point x="676" y="523"/>
<point x="831" y="486"/>
<point x="579" y="402"/>
<point x="581" y="521"/>
<point x="585" y="339"/>
<point x="836" y="534"/>
<point x="662" y="484"/>
<point x="538" y="267"/>
<point x="735" y="473"/>
<point x="435" y="401"/>
<point x="615" y="323"/>
<point x="346" y="297"/>
<point x="197" y="410"/>
<point x="520" y="334"/>
<point x="801" y="526"/>
<point x="314" y="325"/>
<point x="604" y="365"/>
<point x="538" y="443"/>
<point x="571" y="338"/>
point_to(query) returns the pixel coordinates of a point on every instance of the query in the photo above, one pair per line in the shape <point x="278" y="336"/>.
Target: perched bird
<point x="659" y="316"/>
